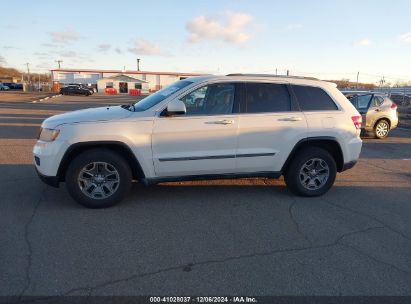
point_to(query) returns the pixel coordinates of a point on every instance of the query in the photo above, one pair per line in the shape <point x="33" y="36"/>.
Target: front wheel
<point x="98" y="178"/>
<point x="312" y="172"/>
<point x="381" y="129"/>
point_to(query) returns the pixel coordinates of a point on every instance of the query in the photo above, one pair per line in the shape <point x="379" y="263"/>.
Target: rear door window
<point x="377" y="101"/>
<point x="361" y="102"/>
<point x="267" y="98"/>
<point x="313" y="99"/>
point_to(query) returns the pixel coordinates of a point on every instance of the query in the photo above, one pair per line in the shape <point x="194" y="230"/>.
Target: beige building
<point x="154" y="80"/>
<point x="123" y="84"/>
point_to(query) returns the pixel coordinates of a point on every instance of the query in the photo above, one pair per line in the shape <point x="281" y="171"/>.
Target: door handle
<point x="290" y="119"/>
<point x="221" y="122"/>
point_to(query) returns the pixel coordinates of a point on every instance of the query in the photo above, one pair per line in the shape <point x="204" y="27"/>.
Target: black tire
<point x="293" y="178"/>
<point x="385" y="125"/>
<point x="102" y="156"/>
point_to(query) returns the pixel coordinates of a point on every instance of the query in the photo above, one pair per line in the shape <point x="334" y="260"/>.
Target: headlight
<point x="48" y="134"/>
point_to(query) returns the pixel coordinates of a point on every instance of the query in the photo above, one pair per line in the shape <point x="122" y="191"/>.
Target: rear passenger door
<point x="374" y="112"/>
<point x="270" y="125"/>
<point x="324" y="118"/>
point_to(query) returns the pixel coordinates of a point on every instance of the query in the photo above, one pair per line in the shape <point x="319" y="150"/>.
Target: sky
<point x="324" y="39"/>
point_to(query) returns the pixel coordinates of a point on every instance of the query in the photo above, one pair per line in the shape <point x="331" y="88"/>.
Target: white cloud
<point x="65" y="36"/>
<point x="363" y="42"/>
<point x="68" y="54"/>
<point x="144" y="47"/>
<point x="2" y="60"/>
<point x="406" y="38"/>
<point x="44" y="66"/>
<point x="230" y="27"/>
<point x="104" y="47"/>
<point x="41" y="54"/>
<point x="9" y="47"/>
<point x="294" y="26"/>
<point x="50" y="45"/>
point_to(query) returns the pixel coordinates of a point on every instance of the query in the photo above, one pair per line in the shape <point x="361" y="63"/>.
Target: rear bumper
<point x="49" y="180"/>
<point x="392" y="119"/>
<point x="351" y="151"/>
<point x="348" y="165"/>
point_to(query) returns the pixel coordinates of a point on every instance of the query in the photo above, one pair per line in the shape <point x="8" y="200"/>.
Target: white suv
<point x="209" y="127"/>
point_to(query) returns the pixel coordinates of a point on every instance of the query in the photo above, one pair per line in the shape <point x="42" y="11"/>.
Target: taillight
<point x="393" y="106"/>
<point x="357" y="120"/>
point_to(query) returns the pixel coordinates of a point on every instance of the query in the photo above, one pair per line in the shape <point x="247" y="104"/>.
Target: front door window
<point x="214" y="99"/>
<point x="361" y="102"/>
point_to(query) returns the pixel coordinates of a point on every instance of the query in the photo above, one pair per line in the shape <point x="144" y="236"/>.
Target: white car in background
<point x="207" y="127"/>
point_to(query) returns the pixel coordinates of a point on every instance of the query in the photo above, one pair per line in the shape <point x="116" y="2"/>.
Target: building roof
<point x="122" y="77"/>
<point x="127" y="72"/>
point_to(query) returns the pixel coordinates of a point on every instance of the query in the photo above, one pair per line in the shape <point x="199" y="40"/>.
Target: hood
<point x="87" y="115"/>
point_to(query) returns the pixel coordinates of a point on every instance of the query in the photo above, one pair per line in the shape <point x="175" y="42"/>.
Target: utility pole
<point x="28" y="71"/>
<point x="288" y="72"/>
<point x="276" y="72"/>
<point x="59" y="62"/>
<point x="138" y="64"/>
<point x="358" y="74"/>
<point x="382" y="81"/>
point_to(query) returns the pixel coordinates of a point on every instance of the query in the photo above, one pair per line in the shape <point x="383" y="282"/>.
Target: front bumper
<point x="48" y="155"/>
<point x="49" y="180"/>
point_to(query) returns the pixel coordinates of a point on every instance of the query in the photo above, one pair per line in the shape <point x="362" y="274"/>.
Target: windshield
<point x="159" y="96"/>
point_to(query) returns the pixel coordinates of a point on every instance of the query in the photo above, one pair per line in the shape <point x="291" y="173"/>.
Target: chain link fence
<point x="401" y="95"/>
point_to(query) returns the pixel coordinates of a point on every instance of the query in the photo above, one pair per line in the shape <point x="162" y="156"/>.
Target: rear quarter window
<point x="313" y="99"/>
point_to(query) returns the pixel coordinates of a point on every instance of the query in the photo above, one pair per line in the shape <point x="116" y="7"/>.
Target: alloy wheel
<point x="98" y="180"/>
<point x="314" y="174"/>
<point x="382" y="129"/>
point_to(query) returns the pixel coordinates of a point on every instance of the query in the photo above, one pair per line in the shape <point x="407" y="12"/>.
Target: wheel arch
<point x="328" y="143"/>
<point x="382" y="118"/>
<point x="116" y="146"/>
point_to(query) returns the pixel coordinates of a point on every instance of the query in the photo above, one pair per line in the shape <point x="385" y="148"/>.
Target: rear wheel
<point x="98" y="178"/>
<point x="381" y="129"/>
<point x="311" y="173"/>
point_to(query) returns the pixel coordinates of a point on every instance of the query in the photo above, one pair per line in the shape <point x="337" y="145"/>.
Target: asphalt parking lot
<point x="232" y="237"/>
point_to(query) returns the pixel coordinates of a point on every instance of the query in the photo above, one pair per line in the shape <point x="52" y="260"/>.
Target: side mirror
<point x="176" y="107"/>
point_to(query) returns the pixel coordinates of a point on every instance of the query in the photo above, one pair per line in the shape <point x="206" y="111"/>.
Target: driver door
<point x="203" y="140"/>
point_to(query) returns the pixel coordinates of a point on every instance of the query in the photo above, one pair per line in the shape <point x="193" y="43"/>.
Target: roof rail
<point x="272" y="75"/>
